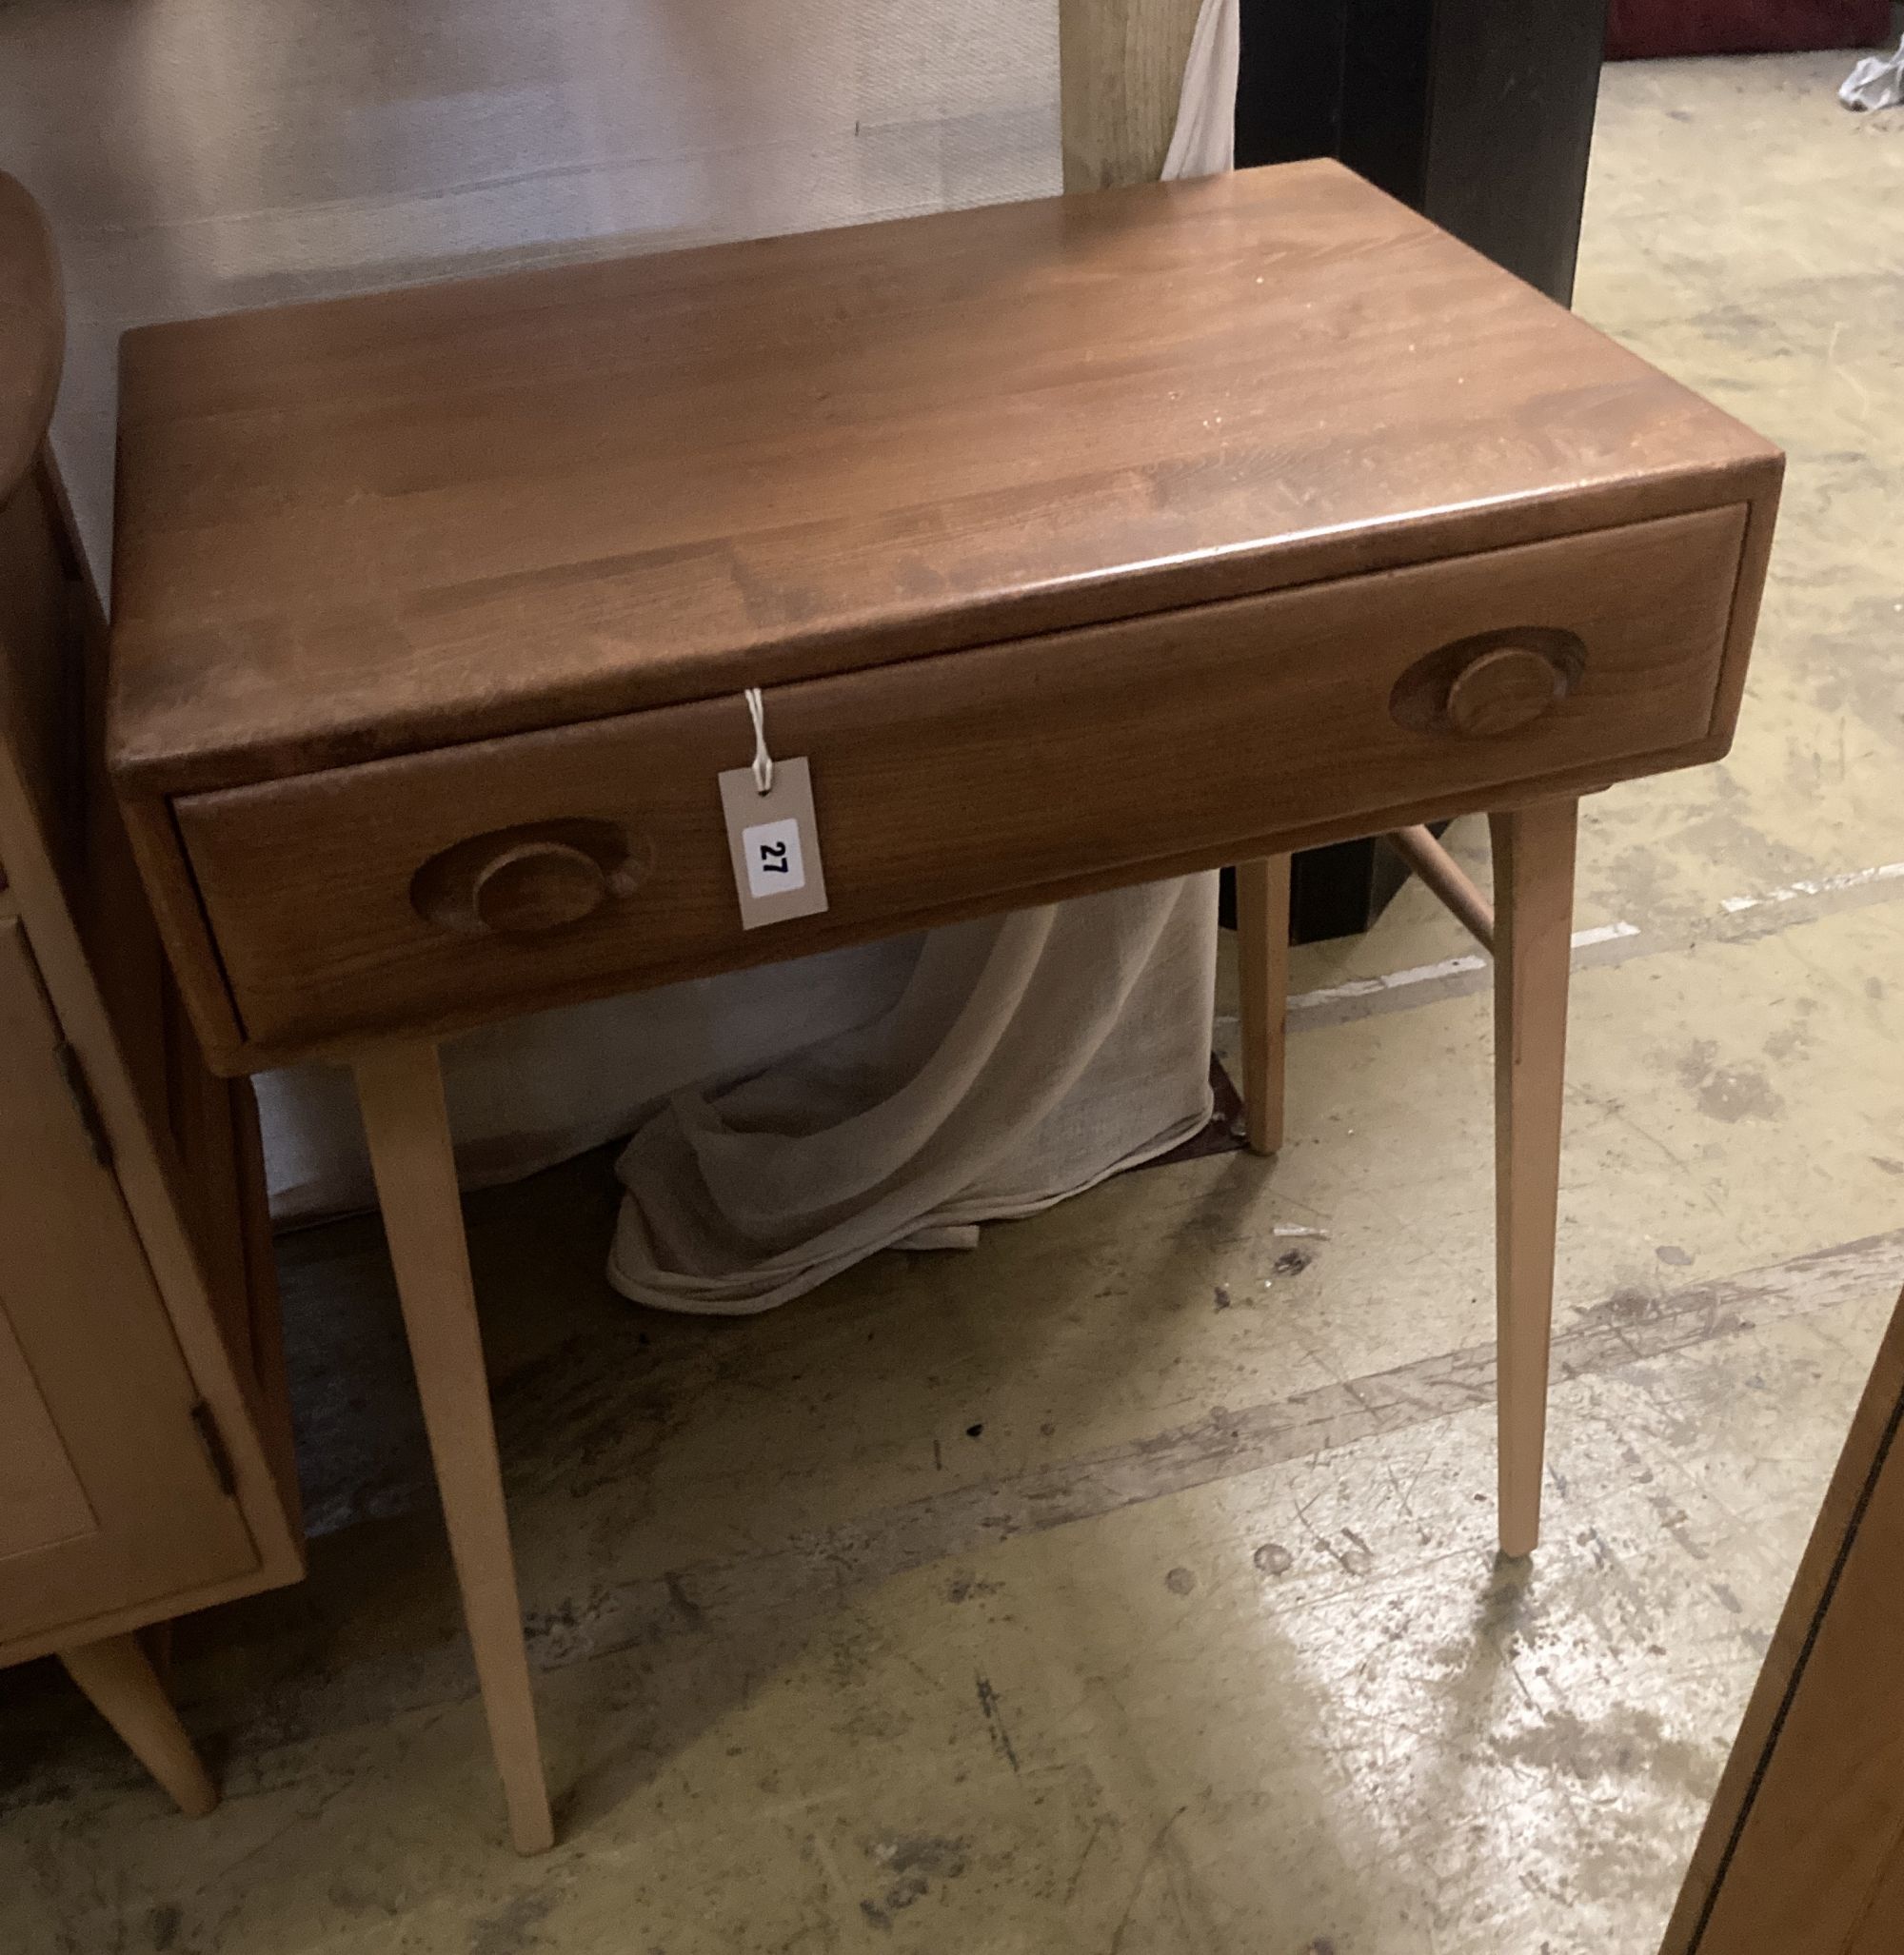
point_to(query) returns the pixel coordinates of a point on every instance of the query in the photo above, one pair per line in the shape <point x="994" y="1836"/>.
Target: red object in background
<point x="1638" y="28"/>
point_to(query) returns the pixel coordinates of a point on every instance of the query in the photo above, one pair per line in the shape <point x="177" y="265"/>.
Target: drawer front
<point x="438" y="889"/>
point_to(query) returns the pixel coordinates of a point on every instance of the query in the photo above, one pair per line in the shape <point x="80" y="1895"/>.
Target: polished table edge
<point x="1750" y="475"/>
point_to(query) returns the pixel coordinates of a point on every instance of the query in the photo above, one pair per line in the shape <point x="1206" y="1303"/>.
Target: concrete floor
<point x="1121" y="1586"/>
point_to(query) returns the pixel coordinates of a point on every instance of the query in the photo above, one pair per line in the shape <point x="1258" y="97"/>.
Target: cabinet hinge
<point x="205" y="1423"/>
<point x="73" y="1070"/>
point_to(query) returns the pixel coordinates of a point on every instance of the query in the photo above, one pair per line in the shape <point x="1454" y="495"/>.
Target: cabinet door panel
<point x="108" y="1491"/>
<point x="41" y="1499"/>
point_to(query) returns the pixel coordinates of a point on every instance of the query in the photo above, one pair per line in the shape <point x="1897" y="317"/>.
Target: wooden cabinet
<point x="145" y="1455"/>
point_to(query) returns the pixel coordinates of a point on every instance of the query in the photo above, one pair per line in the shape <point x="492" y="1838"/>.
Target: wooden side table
<point x="1072" y="544"/>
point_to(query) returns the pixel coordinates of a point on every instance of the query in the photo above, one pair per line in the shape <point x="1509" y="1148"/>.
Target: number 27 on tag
<point x="774" y="844"/>
<point x="775" y="863"/>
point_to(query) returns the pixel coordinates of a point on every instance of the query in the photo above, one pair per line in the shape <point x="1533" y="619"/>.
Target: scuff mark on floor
<point x="988" y="1703"/>
<point x="1738" y="1091"/>
<point x="914" y="1862"/>
<point x="512" y="1927"/>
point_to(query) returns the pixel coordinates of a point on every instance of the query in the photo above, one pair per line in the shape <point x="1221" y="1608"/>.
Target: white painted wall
<point x="204" y="155"/>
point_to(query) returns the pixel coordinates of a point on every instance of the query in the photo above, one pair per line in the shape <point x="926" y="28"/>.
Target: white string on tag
<point x="773" y="837"/>
<point x="763" y="766"/>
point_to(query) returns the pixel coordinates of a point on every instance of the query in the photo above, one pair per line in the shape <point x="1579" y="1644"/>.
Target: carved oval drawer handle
<point x="1490" y="684"/>
<point x="537" y="885"/>
<point x="1501" y="690"/>
<point x="525" y="881"/>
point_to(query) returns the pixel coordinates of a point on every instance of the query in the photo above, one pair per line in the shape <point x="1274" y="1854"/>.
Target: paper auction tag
<point x="774" y="843"/>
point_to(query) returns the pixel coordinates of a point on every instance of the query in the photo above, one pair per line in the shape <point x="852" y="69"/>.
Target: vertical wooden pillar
<point x="1121" y="65"/>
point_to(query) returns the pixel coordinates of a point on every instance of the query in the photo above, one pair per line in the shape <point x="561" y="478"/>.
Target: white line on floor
<point x="1392" y="980"/>
<point x="1604" y="932"/>
<point x="1448" y="967"/>
<point x="1845" y="881"/>
<point x="1823" y="886"/>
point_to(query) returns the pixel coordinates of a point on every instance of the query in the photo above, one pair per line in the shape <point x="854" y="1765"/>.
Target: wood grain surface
<point x="1803" y="1850"/>
<point x="981" y="779"/>
<point x="385" y="523"/>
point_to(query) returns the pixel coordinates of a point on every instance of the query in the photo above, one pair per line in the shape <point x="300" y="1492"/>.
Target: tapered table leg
<point x="1533" y="922"/>
<point x="400" y="1092"/>
<point x="1262" y="980"/>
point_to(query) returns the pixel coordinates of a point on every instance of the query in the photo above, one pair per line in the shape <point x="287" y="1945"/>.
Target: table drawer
<point x="947" y="784"/>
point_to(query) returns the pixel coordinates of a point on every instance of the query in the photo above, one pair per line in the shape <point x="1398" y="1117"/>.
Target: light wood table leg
<point x="1262" y="982"/>
<point x="1533" y="922"/>
<point x="1449" y="882"/>
<point x="125" y="1691"/>
<point x="400" y="1091"/>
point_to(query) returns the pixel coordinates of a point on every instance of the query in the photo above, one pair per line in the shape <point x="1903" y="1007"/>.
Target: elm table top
<point x="379" y="524"/>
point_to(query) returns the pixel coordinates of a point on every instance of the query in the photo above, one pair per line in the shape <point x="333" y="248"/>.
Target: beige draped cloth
<point x="1026" y="1058"/>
